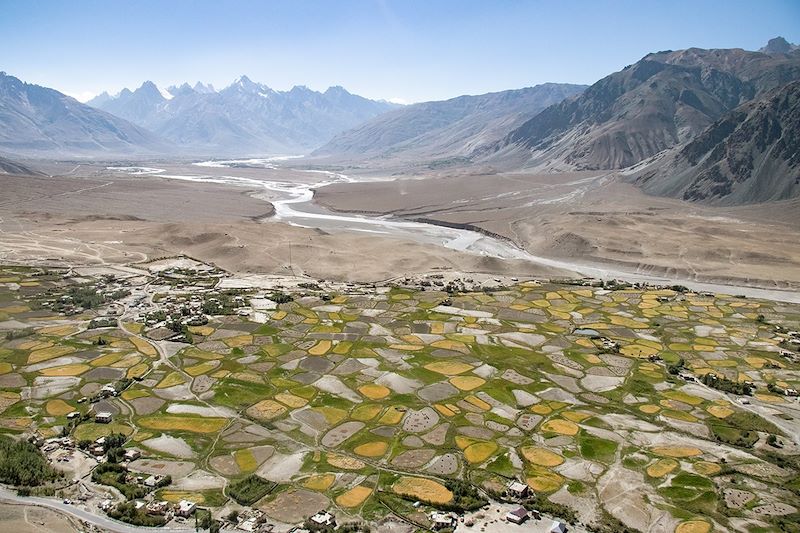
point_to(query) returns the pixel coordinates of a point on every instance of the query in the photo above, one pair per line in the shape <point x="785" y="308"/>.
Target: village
<point x="175" y="395"/>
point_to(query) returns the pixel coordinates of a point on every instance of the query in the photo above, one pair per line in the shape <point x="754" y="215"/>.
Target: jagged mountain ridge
<point x="663" y="100"/>
<point x="37" y="120"/>
<point x="243" y="118"/>
<point x="751" y="154"/>
<point x="445" y="129"/>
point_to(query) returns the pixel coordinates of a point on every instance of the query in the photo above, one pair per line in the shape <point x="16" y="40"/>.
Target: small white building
<point x="517" y="516"/>
<point x="441" y="520"/>
<point x="103" y="417"/>
<point x="558" y="527"/>
<point x="516" y="489"/>
<point x="185" y="508"/>
<point x="324" y="518"/>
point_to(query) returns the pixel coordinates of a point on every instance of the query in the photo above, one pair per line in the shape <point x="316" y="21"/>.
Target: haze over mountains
<point x="452" y="128"/>
<point x="37" y="120"/>
<point x="714" y="126"/>
<point x="245" y="118"/>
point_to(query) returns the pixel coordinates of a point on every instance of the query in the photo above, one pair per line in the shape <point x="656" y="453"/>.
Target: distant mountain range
<point x="36" y="120"/>
<point x="244" y="118"/>
<point x="718" y="126"/>
<point x="449" y="129"/>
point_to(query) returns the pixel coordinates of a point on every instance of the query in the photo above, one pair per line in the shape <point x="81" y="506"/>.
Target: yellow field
<point x="137" y="371"/>
<point x="423" y="489"/>
<point x="170" y="380"/>
<point x="475" y="451"/>
<point x="456" y="346"/>
<point x="662" y="467"/>
<point x="66" y="370"/>
<point x="7" y="399"/>
<point x="133" y="327"/>
<point x="707" y="468"/>
<point x="342" y="348"/>
<point x="354" y="497"/>
<point x="683" y="397"/>
<point x="345" y="463"/>
<point x="541" y="409"/>
<point x="561" y="426"/>
<point x="477" y="402"/>
<point x="626" y="322"/>
<point x="174" y="496"/>
<point x="279" y="315"/>
<point x="693" y="526"/>
<point x="769" y="398"/>
<point x="45" y="354"/>
<point x="205" y="331"/>
<point x="444" y="410"/>
<point x="5" y="368"/>
<point x="448" y="368"/>
<point x="372" y="449"/>
<point x="649" y="408"/>
<point x="720" y="411"/>
<point x="320" y="482"/>
<point x="201" y="368"/>
<point x="333" y="415"/>
<point x="58" y="408"/>
<point x="544" y="481"/>
<point x="245" y="460"/>
<point x="638" y="350"/>
<point x="133" y="394"/>
<point x="392" y="416"/>
<point x="676" y="451"/>
<point x="575" y="416"/>
<point x="365" y="412"/>
<point x="58" y="331"/>
<point x="407" y="347"/>
<point x="106" y="360"/>
<point x="374" y="391"/>
<point x="195" y="424"/>
<point x="92" y="431"/>
<point x="291" y="400"/>
<point x="128" y="361"/>
<point x="467" y="383"/>
<point x="541" y="456"/>
<point x="266" y="410"/>
<point x="238" y="341"/>
<point x="321" y="348"/>
<point x="679" y="415"/>
<point x="35" y="345"/>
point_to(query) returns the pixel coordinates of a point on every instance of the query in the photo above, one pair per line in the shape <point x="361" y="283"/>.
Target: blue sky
<point x="407" y="50"/>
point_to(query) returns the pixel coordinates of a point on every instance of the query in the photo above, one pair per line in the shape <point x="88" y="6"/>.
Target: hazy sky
<point x="405" y="49"/>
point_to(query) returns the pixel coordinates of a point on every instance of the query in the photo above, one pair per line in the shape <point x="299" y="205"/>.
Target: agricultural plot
<point x="600" y="400"/>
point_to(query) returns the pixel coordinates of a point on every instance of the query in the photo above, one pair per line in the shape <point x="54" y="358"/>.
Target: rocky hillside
<point x="751" y="154"/>
<point x="449" y="129"/>
<point x="7" y="166"/>
<point x="36" y="120"/>
<point x="663" y="100"/>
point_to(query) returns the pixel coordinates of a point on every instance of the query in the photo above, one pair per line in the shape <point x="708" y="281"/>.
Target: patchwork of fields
<point x="366" y="400"/>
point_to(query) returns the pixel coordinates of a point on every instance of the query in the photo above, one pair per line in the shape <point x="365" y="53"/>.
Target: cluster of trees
<point x="23" y="465"/>
<point x="127" y="512"/>
<point x="115" y="475"/>
<point x="281" y="297"/>
<point x="18" y="333"/>
<point x="465" y="496"/>
<point x="249" y="490"/>
<point x="675" y="368"/>
<point x="535" y="502"/>
<point x="726" y="385"/>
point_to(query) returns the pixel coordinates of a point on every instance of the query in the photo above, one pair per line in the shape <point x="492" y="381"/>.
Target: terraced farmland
<point x="366" y="397"/>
